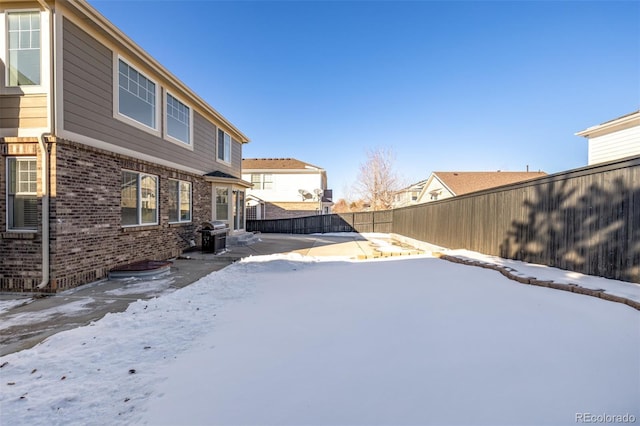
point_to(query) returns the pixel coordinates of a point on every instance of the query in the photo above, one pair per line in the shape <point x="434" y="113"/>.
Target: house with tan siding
<point x="614" y="139"/>
<point x="106" y="158"/>
<point x="442" y="185"/>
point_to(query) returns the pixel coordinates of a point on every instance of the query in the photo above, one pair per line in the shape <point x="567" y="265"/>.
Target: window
<point x="224" y="146"/>
<point x="262" y="181"/>
<point x="179" y="201"/>
<point x="222" y="203"/>
<point x="178" y="120"/>
<point x="23" y="35"/>
<point x="238" y="210"/>
<point x="136" y="95"/>
<point x="22" y="191"/>
<point x="139" y="199"/>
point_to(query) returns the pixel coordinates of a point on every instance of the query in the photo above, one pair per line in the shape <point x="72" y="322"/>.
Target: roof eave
<point x="228" y="181"/>
<point x="106" y="25"/>
<point x="628" y="119"/>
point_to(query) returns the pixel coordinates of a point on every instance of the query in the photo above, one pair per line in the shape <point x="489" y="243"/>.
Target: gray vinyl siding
<point x="88" y="108"/>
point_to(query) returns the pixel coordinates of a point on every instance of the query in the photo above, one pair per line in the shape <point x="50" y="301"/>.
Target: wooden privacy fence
<point x="585" y="220"/>
<point x="343" y="222"/>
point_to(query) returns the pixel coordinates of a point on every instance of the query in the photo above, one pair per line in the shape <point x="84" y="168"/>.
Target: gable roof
<point x="626" y="121"/>
<point x="465" y="182"/>
<point x="414" y="187"/>
<point x="277" y="164"/>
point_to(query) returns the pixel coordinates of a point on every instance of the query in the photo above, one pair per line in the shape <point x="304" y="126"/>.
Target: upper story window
<point x="136" y="95"/>
<point x="224" y="146"/>
<point x="23" y="34"/>
<point x="22" y="193"/>
<point x="178" y="120"/>
<point x="262" y="180"/>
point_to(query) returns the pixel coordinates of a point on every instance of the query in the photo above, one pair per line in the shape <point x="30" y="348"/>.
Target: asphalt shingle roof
<point x="465" y="182"/>
<point x="275" y="164"/>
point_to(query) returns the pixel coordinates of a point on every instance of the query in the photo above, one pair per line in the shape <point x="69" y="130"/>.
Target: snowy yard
<point x="289" y="340"/>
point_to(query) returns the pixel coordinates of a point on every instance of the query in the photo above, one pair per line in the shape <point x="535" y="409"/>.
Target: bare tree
<point x="377" y="180"/>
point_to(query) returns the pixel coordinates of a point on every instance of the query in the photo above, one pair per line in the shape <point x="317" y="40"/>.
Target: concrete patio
<point x="29" y="319"/>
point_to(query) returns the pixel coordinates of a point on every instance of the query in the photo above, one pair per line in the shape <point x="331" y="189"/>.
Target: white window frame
<point x="260" y="183"/>
<point x="45" y="54"/>
<point x="8" y="180"/>
<point x="228" y="203"/>
<point x="139" y="199"/>
<point x="185" y="144"/>
<point x="226" y="149"/>
<point x="180" y="220"/>
<point x="116" y="98"/>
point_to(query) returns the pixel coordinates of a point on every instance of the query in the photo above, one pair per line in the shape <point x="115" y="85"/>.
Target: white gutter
<point x="44" y="151"/>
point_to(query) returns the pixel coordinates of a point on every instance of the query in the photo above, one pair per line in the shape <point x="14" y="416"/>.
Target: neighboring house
<point x="614" y="139"/>
<point x="408" y="196"/>
<point x="441" y="185"/>
<point x="106" y="158"/>
<point x="285" y="187"/>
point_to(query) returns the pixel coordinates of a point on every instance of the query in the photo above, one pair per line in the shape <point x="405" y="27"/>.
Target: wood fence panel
<point x="585" y="220"/>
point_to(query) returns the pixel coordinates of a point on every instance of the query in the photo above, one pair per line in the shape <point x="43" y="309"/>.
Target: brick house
<point x="106" y="158"/>
<point x="285" y="188"/>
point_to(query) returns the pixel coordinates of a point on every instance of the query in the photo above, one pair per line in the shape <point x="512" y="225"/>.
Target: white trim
<point x="6" y="190"/>
<point x="611" y="125"/>
<point x="116" y="98"/>
<point x="58" y="81"/>
<point x="218" y="159"/>
<point x="139" y="200"/>
<point x="188" y="145"/>
<point x="214" y="202"/>
<point x="65" y="134"/>
<point x="45" y="54"/>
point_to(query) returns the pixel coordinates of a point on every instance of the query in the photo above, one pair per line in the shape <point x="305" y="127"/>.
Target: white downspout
<point x="45" y="211"/>
<point x="44" y="151"/>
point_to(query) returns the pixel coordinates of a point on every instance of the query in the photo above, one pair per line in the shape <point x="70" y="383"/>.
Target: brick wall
<point x="20" y="252"/>
<point x="273" y="211"/>
<point x="87" y="239"/>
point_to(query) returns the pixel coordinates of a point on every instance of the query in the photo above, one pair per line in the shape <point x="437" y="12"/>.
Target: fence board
<point x="586" y="220"/>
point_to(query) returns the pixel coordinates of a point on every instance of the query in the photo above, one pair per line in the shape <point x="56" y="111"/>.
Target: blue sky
<point x="448" y="85"/>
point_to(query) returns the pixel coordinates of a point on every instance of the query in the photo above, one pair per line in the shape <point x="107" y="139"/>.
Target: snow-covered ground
<point x="292" y="340"/>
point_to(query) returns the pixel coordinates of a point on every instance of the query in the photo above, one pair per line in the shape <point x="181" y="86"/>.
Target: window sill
<point x="179" y="224"/>
<point x="136" y="228"/>
<point x="19" y="235"/>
